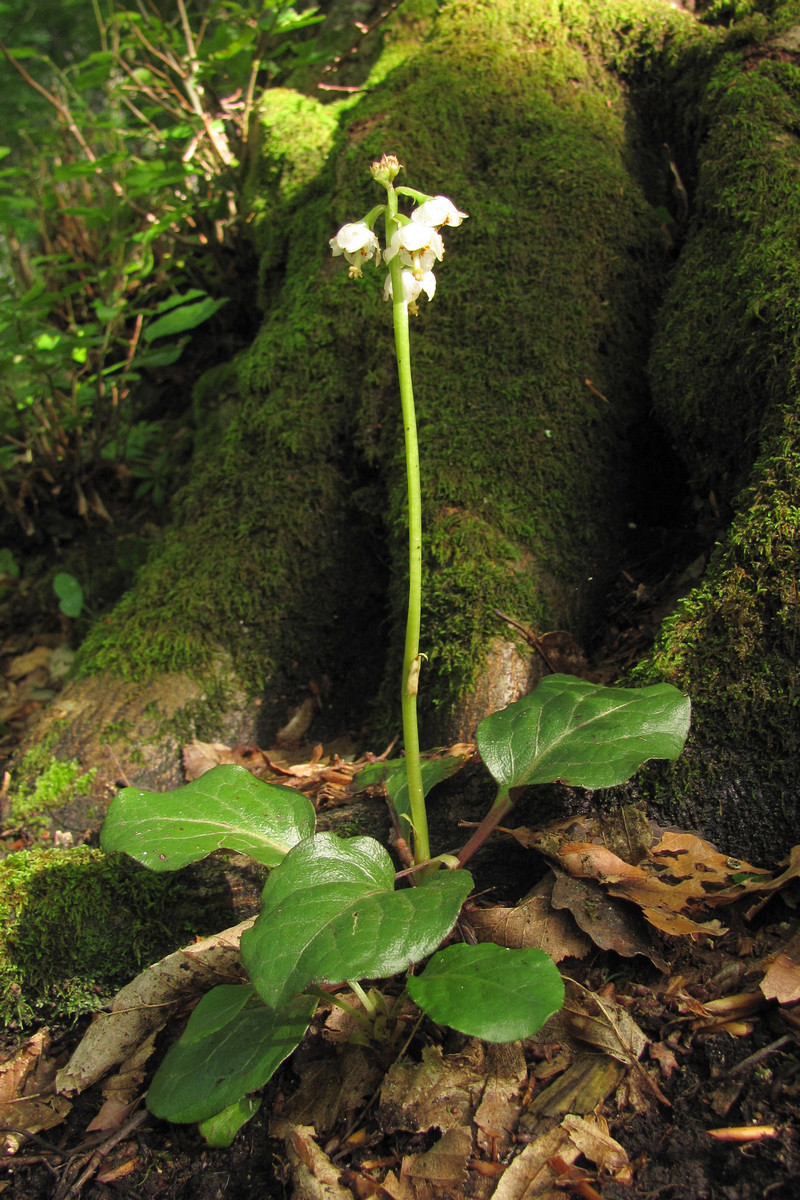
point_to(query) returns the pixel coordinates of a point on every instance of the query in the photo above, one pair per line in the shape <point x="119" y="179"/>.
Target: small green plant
<point x="130" y="195"/>
<point x="332" y="911"/>
<point x="69" y="592"/>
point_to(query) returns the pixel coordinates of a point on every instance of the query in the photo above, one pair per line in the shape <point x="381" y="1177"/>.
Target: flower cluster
<point x="417" y="241"/>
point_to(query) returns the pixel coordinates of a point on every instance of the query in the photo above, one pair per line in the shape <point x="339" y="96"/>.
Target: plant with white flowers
<point x="413" y="247"/>
<point x="331" y="911"/>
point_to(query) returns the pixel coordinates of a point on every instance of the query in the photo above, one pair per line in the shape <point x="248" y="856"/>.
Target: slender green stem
<point x="327" y="997"/>
<point x="357" y="990"/>
<point x="411" y="657"/>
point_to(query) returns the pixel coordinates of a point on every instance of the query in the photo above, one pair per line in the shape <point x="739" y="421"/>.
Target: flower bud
<point x="387" y="170"/>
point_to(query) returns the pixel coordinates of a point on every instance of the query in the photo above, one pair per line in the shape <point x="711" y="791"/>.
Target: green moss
<point x="287" y="534"/>
<point x="47" y="782"/>
<point x="76" y="924"/>
<point x="725" y="369"/>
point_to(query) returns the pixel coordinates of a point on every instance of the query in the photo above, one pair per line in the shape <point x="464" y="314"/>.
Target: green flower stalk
<point x="413" y="247"/>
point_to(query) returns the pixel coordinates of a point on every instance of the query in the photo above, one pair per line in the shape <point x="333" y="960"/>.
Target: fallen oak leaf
<point x="662" y="903"/>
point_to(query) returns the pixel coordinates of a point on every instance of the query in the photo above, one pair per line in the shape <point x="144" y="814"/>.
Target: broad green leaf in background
<point x="489" y="992"/>
<point x="69" y="592"/>
<point x="240" y="1048"/>
<point x="183" y="318"/>
<point x="392" y="775"/>
<point x="330" y="913"/>
<point x="226" y="808"/>
<point x="582" y="733"/>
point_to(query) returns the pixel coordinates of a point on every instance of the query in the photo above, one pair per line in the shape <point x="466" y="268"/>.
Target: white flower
<point x="419" y="247"/>
<point x="437" y="212"/>
<point x="357" y="243"/>
<point x="412" y="286"/>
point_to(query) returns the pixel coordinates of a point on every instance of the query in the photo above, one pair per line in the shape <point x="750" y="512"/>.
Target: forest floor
<point x="672" y="1072"/>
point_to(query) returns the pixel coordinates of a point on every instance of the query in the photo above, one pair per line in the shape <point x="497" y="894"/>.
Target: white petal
<point x="416" y="237"/>
<point x="437" y="212"/>
<point x="428" y="284"/>
<point x="355" y="237"/>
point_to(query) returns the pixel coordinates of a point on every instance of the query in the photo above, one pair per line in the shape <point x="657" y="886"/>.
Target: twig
<point x="760" y="1055"/>
<point x="100" y="1153"/>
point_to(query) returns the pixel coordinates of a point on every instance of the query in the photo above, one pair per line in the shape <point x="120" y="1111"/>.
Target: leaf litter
<point x="413" y="1118"/>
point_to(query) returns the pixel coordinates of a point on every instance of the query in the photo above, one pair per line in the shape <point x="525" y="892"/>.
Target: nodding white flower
<point x="357" y="243"/>
<point x="438" y="211"/>
<point x="419" y="246"/>
<point x="412" y="286"/>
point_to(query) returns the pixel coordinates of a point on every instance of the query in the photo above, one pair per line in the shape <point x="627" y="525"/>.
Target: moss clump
<point x="725" y="370"/>
<point x="77" y="923"/>
<point x="288" y="533"/>
<point x="52" y="782"/>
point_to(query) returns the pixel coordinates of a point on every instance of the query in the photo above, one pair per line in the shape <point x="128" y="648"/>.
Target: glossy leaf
<point x="203" y="1075"/>
<point x="489" y="992"/>
<point x="227" y="808"/>
<point x="583" y="733"/>
<point x="392" y="775"/>
<point x="330" y="913"/>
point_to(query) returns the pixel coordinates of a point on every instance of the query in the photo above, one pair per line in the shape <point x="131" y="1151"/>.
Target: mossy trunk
<point x="288" y="545"/>
<point x="725" y="373"/>
<point x="546" y="122"/>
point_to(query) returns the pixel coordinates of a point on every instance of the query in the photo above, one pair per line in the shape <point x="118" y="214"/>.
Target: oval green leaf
<point x="583" y="733"/>
<point x="180" y="320"/>
<point x="225" y="809"/>
<point x="69" y="592"/>
<point x="489" y="992"/>
<point x="330" y="913"/>
<point x="203" y="1076"/>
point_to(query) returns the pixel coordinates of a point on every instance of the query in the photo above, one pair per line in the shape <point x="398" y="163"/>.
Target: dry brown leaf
<point x="590" y="1134"/>
<point x="585" y="1085"/>
<point x="445" y="1164"/>
<point x="439" y="1092"/>
<point x="782" y="980"/>
<point x="604" y="1025"/>
<point x="314" y="1176"/>
<point x="792" y="871"/>
<point x="25" y="664"/>
<point x="716" y="878"/>
<point x="199" y="757"/>
<point x="530" y="1175"/>
<point x="331" y="1090"/>
<point x="122" y="1091"/>
<point x="664" y="1056"/>
<point x="27" y="1102"/>
<point x="611" y="924"/>
<point x="532" y="923"/>
<point x="498" y="1112"/>
<point x="112" y="1115"/>
<point x="661" y="898"/>
<point x="145" y="1005"/>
